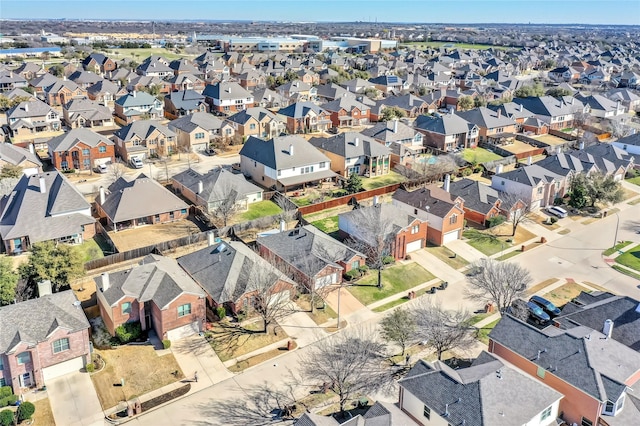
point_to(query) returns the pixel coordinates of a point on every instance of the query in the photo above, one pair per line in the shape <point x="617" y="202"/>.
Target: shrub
<point x="495" y="221"/>
<point x="26" y="410"/>
<point x="553" y="219"/>
<point x="339" y="193"/>
<point x="90" y="367"/>
<point x="351" y="275"/>
<point x="388" y="260"/>
<point x="8" y="400"/>
<point x="5" y="391"/>
<point x="6" y="417"/>
<point x="557" y="201"/>
<point x="166" y="343"/>
<point x="128" y="331"/>
<point x="221" y="312"/>
<point x="363" y="269"/>
<point x="467" y="172"/>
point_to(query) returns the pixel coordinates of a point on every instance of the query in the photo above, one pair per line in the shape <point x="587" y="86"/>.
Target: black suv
<point x="551" y="309"/>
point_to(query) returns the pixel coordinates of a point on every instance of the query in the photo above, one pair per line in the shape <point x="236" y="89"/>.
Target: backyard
<point x="230" y="341"/>
<point x="380" y="181"/>
<point x="328" y="225"/>
<point x="142" y="369"/>
<point x="147" y="235"/>
<point x="260" y="209"/>
<point x="479" y="155"/>
<point x="395" y="279"/>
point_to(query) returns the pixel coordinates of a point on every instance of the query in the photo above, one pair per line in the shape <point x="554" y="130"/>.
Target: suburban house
<point x="137" y="106"/>
<point x="491" y="124"/>
<point x="481" y="202"/>
<point x="443" y="212"/>
<point x="268" y="98"/>
<point x="157" y="293"/>
<point x="86" y="113"/>
<point x="144" y="139"/>
<point x="297" y="89"/>
<point x="98" y="63"/>
<point x="155" y="66"/>
<point x="63" y="91"/>
<point x="105" y="92"/>
<point x="309" y="256"/>
<point x="234" y="276"/>
<point x="594" y="372"/>
<point x="257" y="121"/>
<point x="305" y="117"/>
<point x="41" y="339"/>
<point x="602" y="107"/>
<point x="489" y="392"/>
<point x="533" y="184"/>
<point x="186" y="81"/>
<point x="44" y="207"/>
<point x="227" y="97"/>
<point x="564" y="74"/>
<point x="251" y="79"/>
<point x="183" y="102"/>
<point x="388" y="83"/>
<point x="80" y="149"/>
<point x="380" y="414"/>
<point x="10" y="81"/>
<point x="214" y="187"/>
<point x="406" y="233"/>
<point x="558" y="113"/>
<point x="630" y="144"/>
<point x="21" y="157"/>
<point x="196" y="131"/>
<point x="33" y="119"/>
<point x="357" y="85"/>
<point x="284" y="162"/>
<point x="609" y="158"/>
<point x="411" y="105"/>
<point x="141" y="201"/>
<point x="395" y="132"/>
<point x="626" y="97"/>
<point x="352" y="152"/>
<point x="447" y="132"/>
<point x="345" y="111"/>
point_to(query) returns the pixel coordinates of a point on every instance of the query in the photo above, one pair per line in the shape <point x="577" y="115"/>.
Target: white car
<point x="558" y="211"/>
<point x="136" y="163"/>
<point x="103" y="168"/>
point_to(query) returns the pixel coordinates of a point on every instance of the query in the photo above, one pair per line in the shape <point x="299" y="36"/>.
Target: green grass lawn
<point x="610" y="251"/>
<point x="479" y="155"/>
<point x="630" y="259"/>
<point x="625" y="271"/>
<point x="142" y="54"/>
<point x="327" y="225"/>
<point x="447" y="256"/>
<point x="261" y="209"/>
<point x="380" y="181"/>
<point x="391" y="304"/>
<point x="395" y="279"/>
<point x="90" y="250"/>
<point x="483" y="243"/>
<point x="634" y="180"/>
<point x="483" y="333"/>
<point x="509" y="255"/>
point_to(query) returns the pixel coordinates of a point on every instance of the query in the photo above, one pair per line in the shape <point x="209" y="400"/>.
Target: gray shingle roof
<point x="484" y="117"/>
<point x="258" y="113"/>
<point x="143" y="129"/>
<point x="156" y="278"/>
<point x="203" y="120"/>
<point x="32" y="321"/>
<point x="70" y="139"/>
<point x="531" y="175"/>
<point x="185" y="99"/>
<point x="140" y="197"/>
<point x="435" y="200"/>
<point x="300" y="110"/>
<point x="384" y="132"/>
<point x="216" y="184"/>
<point x="30" y="108"/>
<point x="136" y="99"/>
<point x="549" y="106"/>
<point x="387" y="213"/>
<point x="226" y="90"/>
<point x="344" y="145"/>
<point x="275" y="153"/>
<point x="447" y="124"/>
<point x="16" y="155"/>
<point x="477" y="196"/>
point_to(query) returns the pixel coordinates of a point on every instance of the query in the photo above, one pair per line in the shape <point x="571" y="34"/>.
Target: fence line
<point x="340" y="201"/>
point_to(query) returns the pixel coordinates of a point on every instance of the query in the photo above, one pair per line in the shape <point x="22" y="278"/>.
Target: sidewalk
<point x="466" y="251"/>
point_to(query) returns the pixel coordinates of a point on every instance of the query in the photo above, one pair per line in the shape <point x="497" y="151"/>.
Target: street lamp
<point x="615" y="239"/>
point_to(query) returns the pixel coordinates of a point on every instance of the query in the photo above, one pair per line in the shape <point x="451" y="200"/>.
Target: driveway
<point x="74" y="401"/>
<point x="194" y="353"/>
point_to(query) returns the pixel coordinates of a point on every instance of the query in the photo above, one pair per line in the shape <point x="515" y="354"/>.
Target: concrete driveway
<point x="74" y="401"/>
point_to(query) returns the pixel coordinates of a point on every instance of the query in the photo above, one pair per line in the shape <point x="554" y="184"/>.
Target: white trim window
<point x="61" y="345"/>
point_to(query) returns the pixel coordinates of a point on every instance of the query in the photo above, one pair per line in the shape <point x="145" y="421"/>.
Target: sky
<point x="625" y="12"/>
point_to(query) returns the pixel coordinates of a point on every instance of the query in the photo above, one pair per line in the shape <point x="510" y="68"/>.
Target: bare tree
<point x="350" y="364"/>
<point x="619" y="128"/>
<point x="443" y="329"/>
<point x="400" y="327"/>
<point x="373" y="235"/>
<point x="227" y="206"/>
<point x="519" y="210"/>
<point x="497" y="282"/>
<point x="289" y="210"/>
<point x="116" y="171"/>
<point x="435" y="168"/>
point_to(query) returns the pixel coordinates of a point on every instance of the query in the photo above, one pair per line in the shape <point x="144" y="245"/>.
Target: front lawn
<point x="630" y="259"/>
<point x="384" y="180"/>
<point x="448" y="256"/>
<point x="395" y="279"/>
<point x="261" y="209"/>
<point x="484" y="242"/>
<point x="634" y="180"/>
<point x="321" y="315"/>
<point x="140" y="366"/>
<point x="483" y="333"/>
<point x="479" y="155"/>
<point x="562" y="295"/>
<point x="230" y="341"/>
<point x="43" y="416"/>
<point x="619" y="246"/>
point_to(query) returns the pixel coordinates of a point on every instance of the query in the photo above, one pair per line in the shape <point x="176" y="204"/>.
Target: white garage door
<point x="449" y="237"/>
<point x="184" y="331"/>
<point x="72" y="366"/>
<point x="327" y="280"/>
<point x="413" y="246"/>
<point x="279" y="298"/>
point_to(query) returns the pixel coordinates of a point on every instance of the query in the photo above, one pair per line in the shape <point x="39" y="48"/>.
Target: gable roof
<point x="350" y="144"/>
<point x="157" y="278"/>
<point x="257" y="113"/>
<point x="16" y="155"/>
<point x="83" y="135"/>
<point x="301" y="109"/>
<point x="477" y="196"/>
<point x="384" y="131"/>
<point x="28" y="109"/>
<point x="32" y="321"/>
<point x="549" y="106"/>
<point x="136" y="99"/>
<point x="431" y="199"/>
<point x="143" y="129"/>
<point x="530" y="175"/>
<point x="484" y="117"/>
<point x="446" y="124"/>
<point x="216" y="184"/>
<point x="275" y="153"/>
<point x="185" y="99"/>
<point x="190" y="122"/>
<point x="226" y="90"/>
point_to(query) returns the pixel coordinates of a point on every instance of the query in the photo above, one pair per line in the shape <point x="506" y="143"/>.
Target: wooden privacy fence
<point x="341" y="201"/>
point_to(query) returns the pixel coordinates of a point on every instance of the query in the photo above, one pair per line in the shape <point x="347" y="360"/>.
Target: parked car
<point x="136" y="163"/>
<point x="209" y="151"/>
<point x="536" y="313"/>
<point x="558" y="211"/>
<point x="551" y="309"/>
<point x="102" y="168"/>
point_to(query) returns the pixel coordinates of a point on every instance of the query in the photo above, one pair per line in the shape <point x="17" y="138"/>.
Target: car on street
<point x="551" y="309"/>
<point x="558" y="211"/>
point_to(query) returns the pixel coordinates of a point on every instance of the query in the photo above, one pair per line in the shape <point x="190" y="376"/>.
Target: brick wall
<point x="167" y="319"/>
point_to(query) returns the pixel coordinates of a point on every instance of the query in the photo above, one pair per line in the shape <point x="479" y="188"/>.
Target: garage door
<point x="279" y="298"/>
<point x="72" y="366"/>
<point x="414" y="245"/>
<point x="184" y="331"/>
<point x="449" y="237"/>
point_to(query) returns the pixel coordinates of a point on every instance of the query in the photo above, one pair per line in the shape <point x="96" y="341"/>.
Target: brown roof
<point x="431" y="198"/>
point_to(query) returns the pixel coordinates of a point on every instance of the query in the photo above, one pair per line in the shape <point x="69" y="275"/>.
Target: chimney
<point x="529" y="160"/>
<point x="133" y="93"/>
<point x="44" y="288"/>
<point x="200" y="187"/>
<point x="356" y="141"/>
<point x="447" y="182"/>
<point x="105" y="281"/>
<point x="521" y="108"/>
<point x="43" y="185"/>
<point x="291" y="149"/>
<point x="499" y="169"/>
<point x="26" y="107"/>
<point x="499" y="113"/>
<point x="283" y="225"/>
<point x="210" y="238"/>
<point x="102" y="197"/>
<point x="608" y="328"/>
<point x="228" y="89"/>
<point x="571" y="101"/>
<point x="375" y="200"/>
<point x="32" y="149"/>
<point x="559" y="150"/>
<point x="581" y="145"/>
<point x="395" y="126"/>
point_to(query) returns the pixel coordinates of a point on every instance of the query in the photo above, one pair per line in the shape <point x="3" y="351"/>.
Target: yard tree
<point x="116" y="171"/>
<point x="497" y="282"/>
<point x="535" y="90"/>
<point x="350" y="364"/>
<point x="598" y="188"/>
<point x="399" y="327"/>
<point x="289" y="209"/>
<point x="59" y="263"/>
<point x="619" y="129"/>
<point x="443" y="329"/>
<point x="8" y="281"/>
<point x="392" y="113"/>
<point x="227" y="205"/>
<point x="465" y="103"/>
<point x="10" y="171"/>
<point x="353" y="184"/>
<point x="577" y="193"/>
<point x="557" y="92"/>
<point x="520" y="210"/>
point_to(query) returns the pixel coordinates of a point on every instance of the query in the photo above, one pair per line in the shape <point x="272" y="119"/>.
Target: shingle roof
<point x="216" y="184"/>
<point x="476" y="195"/>
<point x="275" y="153"/>
<point x="143" y="129"/>
<point x="140" y="197"/>
<point x="32" y="321"/>
<point x="258" y="113"/>
<point x="484" y="117"/>
<point x="226" y="90"/>
<point x="136" y="99"/>
<point x="156" y="278"/>
<point x="185" y="99"/>
<point x="203" y="120"/>
<point x="549" y="106"/>
<point x="447" y="124"/>
<point x="384" y="132"/>
<point x="16" y="155"/>
<point x="28" y="109"/>
<point x="68" y="140"/>
<point x="530" y="175"/>
<point x="300" y="110"/>
<point x="345" y="145"/>
<point x="432" y="199"/>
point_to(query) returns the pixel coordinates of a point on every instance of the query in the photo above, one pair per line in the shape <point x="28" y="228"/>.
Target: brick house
<point x="443" y="211"/>
<point x="196" y="131"/>
<point x="141" y="201"/>
<point x="81" y="149"/>
<point x="309" y="256"/>
<point x="346" y="111"/>
<point x="41" y="339"/>
<point x="99" y="63"/>
<point x="33" y="119"/>
<point x="157" y="293"/>
<point x="481" y="202"/>
<point x="447" y="132"/>
<point x="144" y="139"/>
<point x="63" y="91"/>
<point x="490" y="123"/>
<point x="87" y="113"/>
<point x="303" y="117"/>
<point x="407" y="233"/>
<point x="257" y="121"/>
<point x="227" y="97"/>
<point x="533" y="184"/>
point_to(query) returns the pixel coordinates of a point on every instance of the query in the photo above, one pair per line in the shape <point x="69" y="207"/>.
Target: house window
<point x="200" y="135"/>
<point x="85" y="152"/>
<point x="184" y="309"/>
<point x="183" y="211"/>
<point x="126" y="308"/>
<point x="23" y="357"/>
<point x="279" y="172"/>
<point x="415" y="211"/>
<point x="2" y="382"/>
<point x="609" y="408"/>
<point x="252" y="126"/>
<point x="171" y="215"/>
<point x="355" y="264"/>
<point x="540" y="373"/>
<point x="502" y="183"/>
<point x="586" y="422"/>
<point x="102" y="149"/>
<point x="540" y="190"/>
<point x="415" y="229"/>
<point x="427" y="412"/>
<point x="60" y="345"/>
<point x="453" y="219"/>
<point x="156" y="218"/>
<point x="1" y="364"/>
<point x="64" y="165"/>
<point x="545" y="414"/>
<point x="322" y="164"/>
<point x="86" y="164"/>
